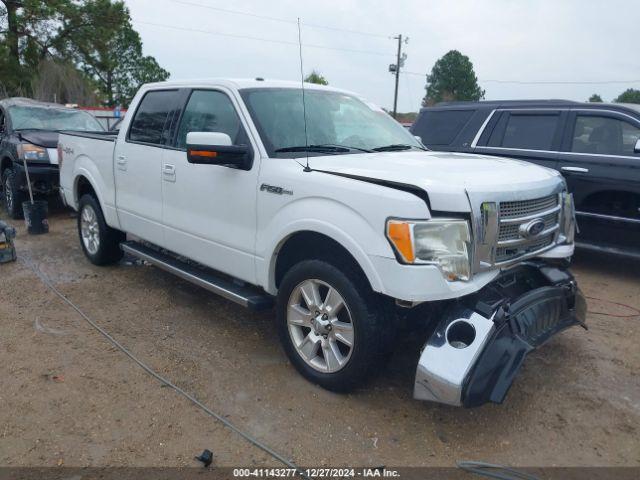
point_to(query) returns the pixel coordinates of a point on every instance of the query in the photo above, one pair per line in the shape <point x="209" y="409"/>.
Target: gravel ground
<point x="70" y="398"/>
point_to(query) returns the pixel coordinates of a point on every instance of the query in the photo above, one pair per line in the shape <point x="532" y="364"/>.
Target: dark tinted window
<point x="210" y="111"/>
<point x="441" y="127"/>
<point x="604" y="135"/>
<point x="530" y="131"/>
<point x="149" y="123"/>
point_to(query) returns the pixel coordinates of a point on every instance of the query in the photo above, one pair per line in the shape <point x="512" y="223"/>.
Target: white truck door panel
<point x="209" y="211"/>
<point x="138" y="166"/>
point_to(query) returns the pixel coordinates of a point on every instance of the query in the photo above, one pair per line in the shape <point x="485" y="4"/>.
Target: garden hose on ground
<point x="254" y="441"/>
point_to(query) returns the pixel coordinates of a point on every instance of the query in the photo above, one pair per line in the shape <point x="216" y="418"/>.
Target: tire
<point x="302" y="325"/>
<point x="100" y="243"/>
<point x="13" y="197"/>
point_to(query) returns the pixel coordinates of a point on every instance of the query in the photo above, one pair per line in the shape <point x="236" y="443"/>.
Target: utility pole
<point x="395" y="68"/>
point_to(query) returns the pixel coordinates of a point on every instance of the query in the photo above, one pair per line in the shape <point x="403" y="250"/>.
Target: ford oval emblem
<point x="532" y="228"/>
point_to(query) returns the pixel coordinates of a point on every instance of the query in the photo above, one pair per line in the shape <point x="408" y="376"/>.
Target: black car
<point x="29" y="132"/>
<point x="596" y="146"/>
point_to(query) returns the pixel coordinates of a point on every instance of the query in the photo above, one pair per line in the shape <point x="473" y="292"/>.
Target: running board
<point x="247" y="296"/>
<point x="611" y="250"/>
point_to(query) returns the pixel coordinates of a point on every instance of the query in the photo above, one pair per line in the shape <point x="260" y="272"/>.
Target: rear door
<point x="529" y="134"/>
<point x="138" y="164"/>
<point x="603" y="173"/>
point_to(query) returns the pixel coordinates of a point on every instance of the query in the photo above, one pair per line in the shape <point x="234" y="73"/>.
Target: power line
<point x="544" y="82"/>
<point x="248" y="37"/>
<point x="279" y="19"/>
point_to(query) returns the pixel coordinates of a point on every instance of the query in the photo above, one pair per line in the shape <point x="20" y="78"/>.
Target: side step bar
<point x="247" y="296"/>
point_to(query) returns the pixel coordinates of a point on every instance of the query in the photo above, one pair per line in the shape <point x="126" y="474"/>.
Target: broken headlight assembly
<point x="443" y="242"/>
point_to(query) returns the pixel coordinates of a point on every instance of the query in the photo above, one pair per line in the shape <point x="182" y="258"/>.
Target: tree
<point x="629" y="96"/>
<point x="316" y="77"/>
<point x="452" y="78"/>
<point x="95" y="37"/>
<point x="595" y="98"/>
<point x="111" y="54"/>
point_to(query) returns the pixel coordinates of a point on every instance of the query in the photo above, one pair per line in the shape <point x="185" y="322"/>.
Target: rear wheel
<point x="100" y="243"/>
<point x="335" y="330"/>
<point x="13" y="197"/>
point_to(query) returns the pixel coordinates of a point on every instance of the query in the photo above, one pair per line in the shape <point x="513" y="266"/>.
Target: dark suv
<point x="596" y="147"/>
<point x="29" y="135"/>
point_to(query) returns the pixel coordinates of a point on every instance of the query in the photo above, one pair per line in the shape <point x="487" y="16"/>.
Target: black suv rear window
<point x="441" y="127"/>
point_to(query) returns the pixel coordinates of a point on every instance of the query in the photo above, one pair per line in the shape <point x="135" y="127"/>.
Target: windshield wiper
<point x="314" y="148"/>
<point x="396" y="147"/>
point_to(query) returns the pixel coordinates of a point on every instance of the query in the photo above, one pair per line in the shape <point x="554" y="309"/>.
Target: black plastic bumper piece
<point x="529" y="305"/>
<point x="45" y="178"/>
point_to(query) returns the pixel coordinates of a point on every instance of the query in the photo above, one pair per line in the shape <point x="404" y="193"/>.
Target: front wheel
<point x="335" y="330"/>
<point x="100" y="243"/>
<point x="13" y="196"/>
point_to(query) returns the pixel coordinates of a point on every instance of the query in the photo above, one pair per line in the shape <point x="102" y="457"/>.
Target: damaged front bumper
<point x="476" y="351"/>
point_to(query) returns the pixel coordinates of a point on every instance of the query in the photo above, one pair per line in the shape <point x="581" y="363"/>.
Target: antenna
<point x="304" y="103"/>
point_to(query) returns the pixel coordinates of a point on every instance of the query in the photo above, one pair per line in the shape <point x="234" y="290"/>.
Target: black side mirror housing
<point x="234" y="156"/>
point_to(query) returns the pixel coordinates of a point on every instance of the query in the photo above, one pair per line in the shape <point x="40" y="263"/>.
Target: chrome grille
<point x="523" y="208"/>
<point x="506" y="254"/>
<point x="513" y="215"/>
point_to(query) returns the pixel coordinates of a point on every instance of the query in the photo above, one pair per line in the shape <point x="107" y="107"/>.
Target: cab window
<point x="210" y="111"/>
<point x="150" y="123"/>
<point x="604" y="135"/>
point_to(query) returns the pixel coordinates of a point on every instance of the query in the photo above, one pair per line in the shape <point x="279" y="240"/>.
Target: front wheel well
<point x="309" y="245"/>
<point x="4" y="164"/>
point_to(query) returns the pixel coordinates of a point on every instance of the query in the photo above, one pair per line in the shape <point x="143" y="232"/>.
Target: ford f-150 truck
<point x="316" y="201"/>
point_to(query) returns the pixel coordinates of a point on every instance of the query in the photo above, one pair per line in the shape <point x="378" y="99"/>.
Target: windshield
<point x="333" y="119"/>
<point x="51" y="118"/>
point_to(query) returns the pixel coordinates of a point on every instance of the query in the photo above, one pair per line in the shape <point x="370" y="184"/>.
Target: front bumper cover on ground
<point x="476" y="351"/>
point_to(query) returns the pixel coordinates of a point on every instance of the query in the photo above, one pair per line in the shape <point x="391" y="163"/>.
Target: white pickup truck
<point x="318" y="202"/>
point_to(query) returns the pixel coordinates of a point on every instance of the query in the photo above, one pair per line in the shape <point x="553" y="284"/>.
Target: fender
<point x="85" y="167"/>
<point x="340" y="223"/>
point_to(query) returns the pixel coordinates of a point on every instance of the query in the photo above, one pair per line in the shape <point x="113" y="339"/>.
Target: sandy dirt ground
<point x="68" y="397"/>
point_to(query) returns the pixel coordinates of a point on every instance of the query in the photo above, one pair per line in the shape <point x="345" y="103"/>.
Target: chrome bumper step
<point x="247" y="296"/>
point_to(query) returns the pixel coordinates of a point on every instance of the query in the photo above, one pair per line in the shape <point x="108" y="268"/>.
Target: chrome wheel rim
<point x="320" y="326"/>
<point x="8" y="196"/>
<point x="89" y="229"/>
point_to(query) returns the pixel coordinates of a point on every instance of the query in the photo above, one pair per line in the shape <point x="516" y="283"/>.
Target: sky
<point x="351" y="43"/>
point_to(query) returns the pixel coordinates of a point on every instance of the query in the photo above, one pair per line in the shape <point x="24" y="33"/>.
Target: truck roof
<point x="239" y="83"/>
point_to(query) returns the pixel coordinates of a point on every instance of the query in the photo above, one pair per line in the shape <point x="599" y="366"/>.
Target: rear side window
<point x="604" y="135"/>
<point x="531" y="132"/>
<point x="149" y="125"/>
<point x="441" y="127"/>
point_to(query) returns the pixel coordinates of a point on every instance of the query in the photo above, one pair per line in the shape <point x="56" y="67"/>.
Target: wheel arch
<point x="315" y="244"/>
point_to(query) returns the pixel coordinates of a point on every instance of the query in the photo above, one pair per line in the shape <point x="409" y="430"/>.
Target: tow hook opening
<point x="460" y="334"/>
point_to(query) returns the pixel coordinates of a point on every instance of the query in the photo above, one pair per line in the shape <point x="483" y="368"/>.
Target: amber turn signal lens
<point x="203" y="153"/>
<point x="400" y="235"/>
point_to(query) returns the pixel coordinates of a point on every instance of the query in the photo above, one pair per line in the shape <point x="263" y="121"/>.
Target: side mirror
<point x="636" y="149"/>
<point x="215" y="148"/>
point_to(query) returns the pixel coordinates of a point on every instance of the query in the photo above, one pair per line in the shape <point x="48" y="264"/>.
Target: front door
<point x="138" y="163"/>
<point x="603" y="173"/>
<point x="209" y="211"/>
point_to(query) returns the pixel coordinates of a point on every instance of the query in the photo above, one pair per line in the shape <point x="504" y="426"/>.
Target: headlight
<point x="442" y="242"/>
<point x="32" y="153"/>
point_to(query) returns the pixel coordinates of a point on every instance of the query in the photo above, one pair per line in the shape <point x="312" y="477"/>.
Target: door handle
<point x="169" y="172"/>
<point x="575" y="169"/>
<point x="121" y="160"/>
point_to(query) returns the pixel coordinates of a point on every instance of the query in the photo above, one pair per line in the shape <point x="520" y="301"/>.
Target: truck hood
<point x="41" y="138"/>
<point x="448" y="178"/>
